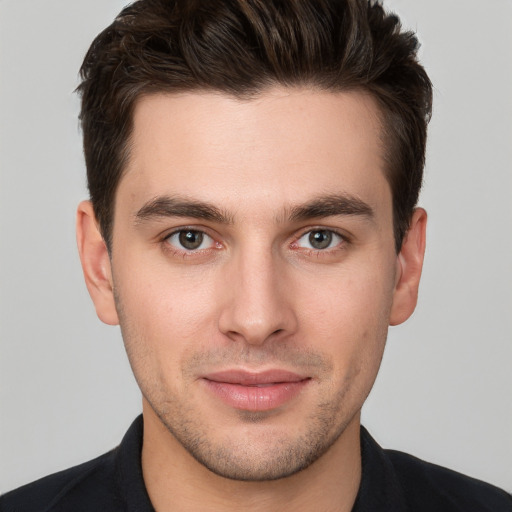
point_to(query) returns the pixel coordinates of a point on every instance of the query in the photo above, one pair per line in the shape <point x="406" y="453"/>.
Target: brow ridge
<point x="320" y="207"/>
<point x="331" y="205"/>
<point x="169" y="206"/>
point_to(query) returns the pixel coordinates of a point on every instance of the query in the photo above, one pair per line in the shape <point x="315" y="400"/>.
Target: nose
<point x="259" y="304"/>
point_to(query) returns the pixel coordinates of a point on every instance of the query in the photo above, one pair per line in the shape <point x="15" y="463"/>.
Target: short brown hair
<point x="242" y="47"/>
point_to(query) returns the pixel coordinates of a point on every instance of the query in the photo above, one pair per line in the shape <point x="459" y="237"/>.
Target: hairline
<point x="386" y="142"/>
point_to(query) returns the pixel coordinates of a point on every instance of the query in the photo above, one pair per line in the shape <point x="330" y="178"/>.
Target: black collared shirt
<point x="391" y="482"/>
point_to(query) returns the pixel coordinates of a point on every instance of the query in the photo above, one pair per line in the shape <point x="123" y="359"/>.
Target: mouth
<point x="255" y="391"/>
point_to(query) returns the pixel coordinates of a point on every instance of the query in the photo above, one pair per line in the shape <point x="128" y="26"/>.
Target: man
<point x="254" y="169"/>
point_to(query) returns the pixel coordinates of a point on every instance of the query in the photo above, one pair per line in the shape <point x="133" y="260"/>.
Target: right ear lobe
<point x="96" y="263"/>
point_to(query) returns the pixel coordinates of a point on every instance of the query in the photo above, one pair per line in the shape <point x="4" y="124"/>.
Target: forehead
<point x="280" y="148"/>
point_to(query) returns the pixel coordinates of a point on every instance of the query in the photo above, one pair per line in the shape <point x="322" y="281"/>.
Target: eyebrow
<point x="331" y="205"/>
<point x="167" y="206"/>
<point x="324" y="206"/>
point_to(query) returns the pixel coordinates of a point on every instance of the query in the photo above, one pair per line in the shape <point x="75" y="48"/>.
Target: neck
<point x="176" y="481"/>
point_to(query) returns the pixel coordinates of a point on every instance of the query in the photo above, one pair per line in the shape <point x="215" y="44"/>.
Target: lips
<point x="260" y="391"/>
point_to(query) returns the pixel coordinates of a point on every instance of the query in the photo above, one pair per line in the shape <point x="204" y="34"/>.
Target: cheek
<point x="168" y="302"/>
<point x="164" y="317"/>
<point x="347" y="300"/>
<point x="349" y="317"/>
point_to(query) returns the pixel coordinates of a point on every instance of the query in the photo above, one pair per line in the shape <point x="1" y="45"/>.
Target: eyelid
<point x="164" y="239"/>
<point x="344" y="239"/>
<point x="215" y="244"/>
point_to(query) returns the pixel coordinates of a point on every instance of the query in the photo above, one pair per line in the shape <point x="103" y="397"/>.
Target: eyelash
<point x="343" y="241"/>
<point x="187" y="253"/>
<point x="184" y="252"/>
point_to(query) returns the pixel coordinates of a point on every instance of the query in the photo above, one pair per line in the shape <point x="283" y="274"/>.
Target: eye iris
<point x="320" y="239"/>
<point x="191" y="239"/>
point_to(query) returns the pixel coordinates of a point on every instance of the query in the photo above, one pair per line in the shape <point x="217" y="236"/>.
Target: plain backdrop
<point x="445" y="389"/>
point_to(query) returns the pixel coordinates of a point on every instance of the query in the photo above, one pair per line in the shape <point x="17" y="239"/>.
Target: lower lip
<point x="254" y="398"/>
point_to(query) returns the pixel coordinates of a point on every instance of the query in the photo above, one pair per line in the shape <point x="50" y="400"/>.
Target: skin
<point x="258" y="294"/>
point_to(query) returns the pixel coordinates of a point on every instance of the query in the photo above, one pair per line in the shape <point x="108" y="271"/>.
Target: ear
<point x="409" y="265"/>
<point x="95" y="263"/>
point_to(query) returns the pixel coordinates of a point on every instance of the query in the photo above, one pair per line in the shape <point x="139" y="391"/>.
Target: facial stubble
<point x="267" y="452"/>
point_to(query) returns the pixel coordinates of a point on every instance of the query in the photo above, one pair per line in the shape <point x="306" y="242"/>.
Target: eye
<point x="320" y="239"/>
<point x="190" y="240"/>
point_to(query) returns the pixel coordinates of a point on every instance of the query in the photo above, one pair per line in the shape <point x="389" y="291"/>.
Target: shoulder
<point x="67" y="490"/>
<point x="112" y="482"/>
<point x="427" y="486"/>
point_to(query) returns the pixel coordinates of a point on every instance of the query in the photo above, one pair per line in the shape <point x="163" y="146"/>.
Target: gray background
<point x="445" y="389"/>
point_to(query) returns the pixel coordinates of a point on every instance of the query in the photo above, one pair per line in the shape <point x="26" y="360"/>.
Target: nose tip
<point x="259" y="306"/>
<point x="253" y="332"/>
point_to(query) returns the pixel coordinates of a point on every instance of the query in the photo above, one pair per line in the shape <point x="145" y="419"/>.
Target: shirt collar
<point x="379" y="490"/>
<point x="129" y="470"/>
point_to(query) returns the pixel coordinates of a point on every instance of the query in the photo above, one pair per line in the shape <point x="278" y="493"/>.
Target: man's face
<point x="254" y="271"/>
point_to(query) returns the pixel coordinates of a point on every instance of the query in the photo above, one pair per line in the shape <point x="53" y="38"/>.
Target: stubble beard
<point x="267" y="453"/>
<point x="245" y="460"/>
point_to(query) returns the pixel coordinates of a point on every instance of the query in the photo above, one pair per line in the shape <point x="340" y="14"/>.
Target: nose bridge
<point x="258" y="305"/>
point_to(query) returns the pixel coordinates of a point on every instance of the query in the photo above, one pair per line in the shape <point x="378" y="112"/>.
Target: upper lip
<point x="248" y="378"/>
